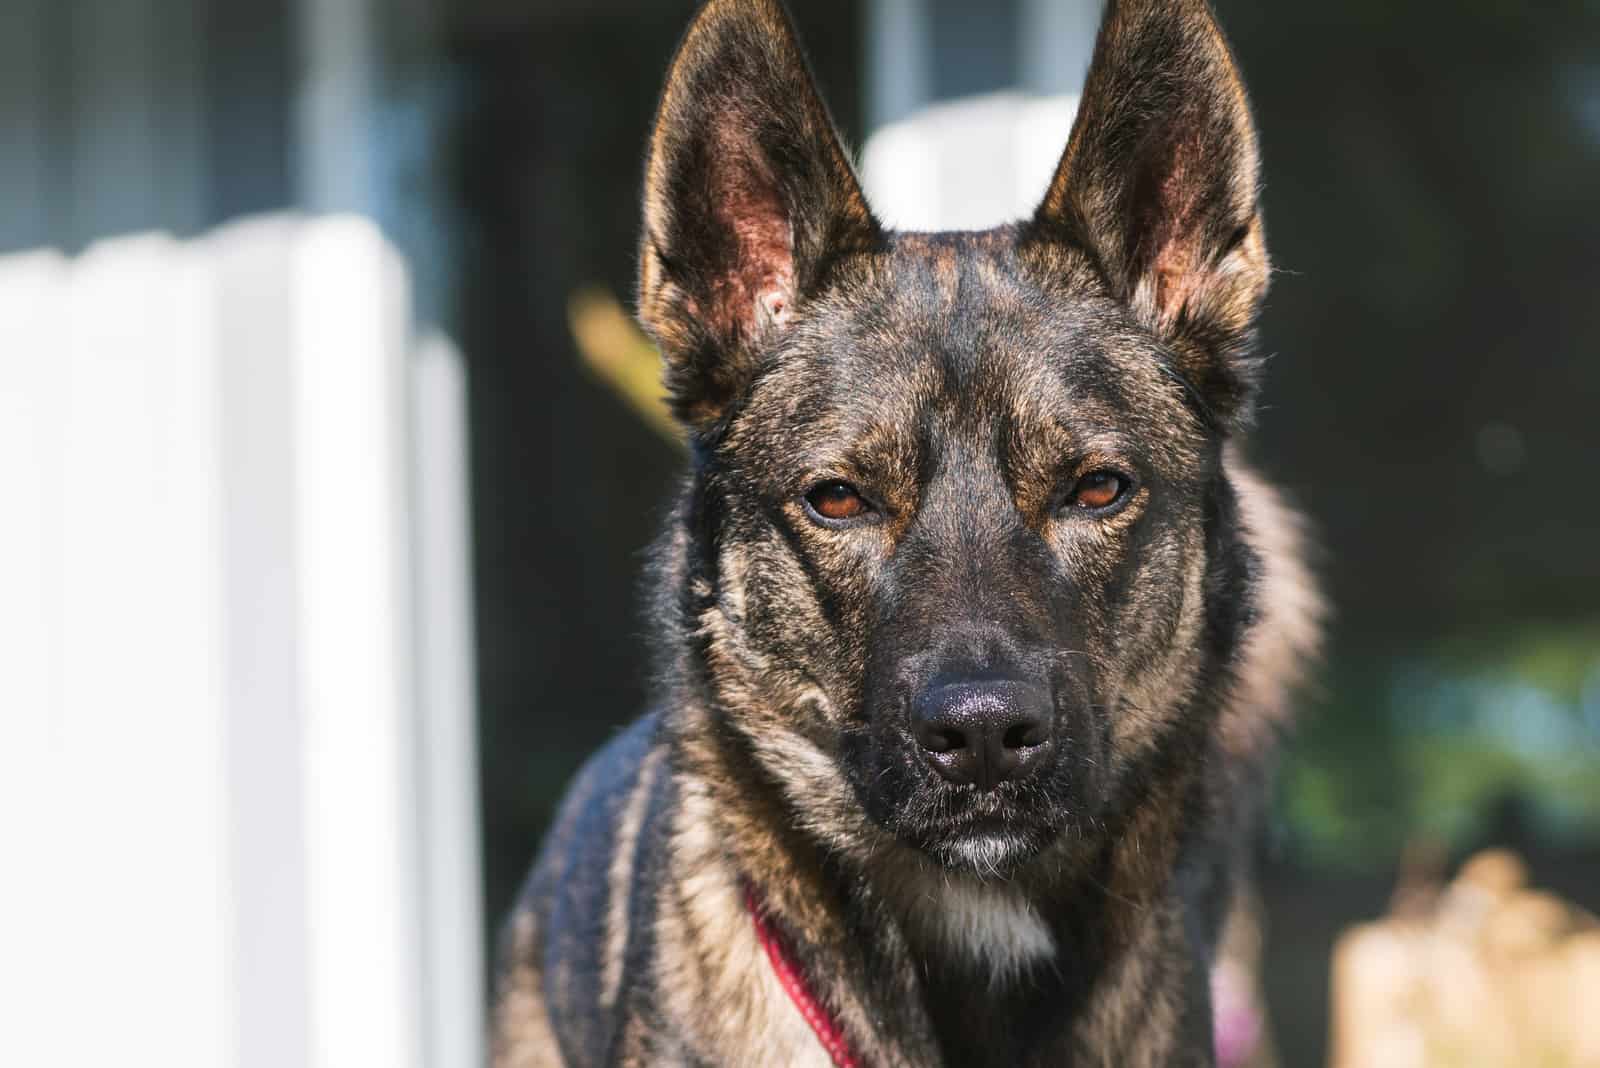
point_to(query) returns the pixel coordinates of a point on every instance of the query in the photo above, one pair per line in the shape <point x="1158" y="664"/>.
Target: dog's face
<point x="958" y="497"/>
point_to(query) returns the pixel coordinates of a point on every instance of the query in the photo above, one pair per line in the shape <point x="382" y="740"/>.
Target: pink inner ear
<point x="1176" y="279"/>
<point x="1169" y="206"/>
<point x="756" y="285"/>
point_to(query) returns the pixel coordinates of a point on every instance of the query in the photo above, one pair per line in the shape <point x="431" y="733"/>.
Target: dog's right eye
<point x="1099" y="492"/>
<point x="835" y="501"/>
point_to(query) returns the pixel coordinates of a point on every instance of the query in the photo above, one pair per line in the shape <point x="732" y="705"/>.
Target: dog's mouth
<point x="988" y="833"/>
<point x="988" y="836"/>
<point x="987" y="853"/>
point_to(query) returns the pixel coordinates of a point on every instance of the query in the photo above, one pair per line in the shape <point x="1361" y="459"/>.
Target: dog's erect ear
<point x="748" y="199"/>
<point x="1160" y="179"/>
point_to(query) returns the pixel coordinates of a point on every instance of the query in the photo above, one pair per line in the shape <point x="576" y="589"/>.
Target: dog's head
<point x="962" y="538"/>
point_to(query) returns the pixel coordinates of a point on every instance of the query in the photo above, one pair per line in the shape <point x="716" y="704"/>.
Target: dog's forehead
<point x="964" y="330"/>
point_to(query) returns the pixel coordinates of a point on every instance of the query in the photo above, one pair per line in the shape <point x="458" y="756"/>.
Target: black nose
<point x="982" y="731"/>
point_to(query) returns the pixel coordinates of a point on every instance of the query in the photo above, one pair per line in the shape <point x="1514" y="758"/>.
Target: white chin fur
<point x="987" y="925"/>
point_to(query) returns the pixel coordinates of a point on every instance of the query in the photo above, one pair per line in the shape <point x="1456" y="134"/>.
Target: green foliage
<point x="1449" y="742"/>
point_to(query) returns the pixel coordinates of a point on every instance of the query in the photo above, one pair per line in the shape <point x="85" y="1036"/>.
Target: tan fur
<point x="719" y="986"/>
<point x="1286" y="640"/>
<point x="522" y="1035"/>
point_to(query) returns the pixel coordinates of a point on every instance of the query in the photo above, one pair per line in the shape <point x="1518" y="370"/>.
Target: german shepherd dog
<point x="977" y="632"/>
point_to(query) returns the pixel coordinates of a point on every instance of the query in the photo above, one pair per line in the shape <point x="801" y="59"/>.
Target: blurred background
<point x="329" y="464"/>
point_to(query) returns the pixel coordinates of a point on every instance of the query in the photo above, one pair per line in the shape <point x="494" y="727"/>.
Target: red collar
<point x="826" y="1025"/>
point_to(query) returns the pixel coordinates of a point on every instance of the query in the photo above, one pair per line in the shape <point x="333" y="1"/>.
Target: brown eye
<point x="1098" y="490"/>
<point x="837" y="502"/>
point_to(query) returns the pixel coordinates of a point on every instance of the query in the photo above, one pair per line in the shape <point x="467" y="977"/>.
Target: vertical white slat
<point x="32" y="296"/>
<point x="451" y="913"/>
<point x="191" y="665"/>
<point x="265" y="722"/>
<point x="349" y="323"/>
<point x="143" y="887"/>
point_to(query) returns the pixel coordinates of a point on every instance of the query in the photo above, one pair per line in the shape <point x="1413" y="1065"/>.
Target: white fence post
<point x="237" y="770"/>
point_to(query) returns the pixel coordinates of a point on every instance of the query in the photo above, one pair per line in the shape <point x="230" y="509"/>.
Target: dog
<point x="977" y="634"/>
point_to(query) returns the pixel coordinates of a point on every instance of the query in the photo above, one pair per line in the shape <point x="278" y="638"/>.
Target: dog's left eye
<point x="1097" y="491"/>
<point x="836" y="501"/>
